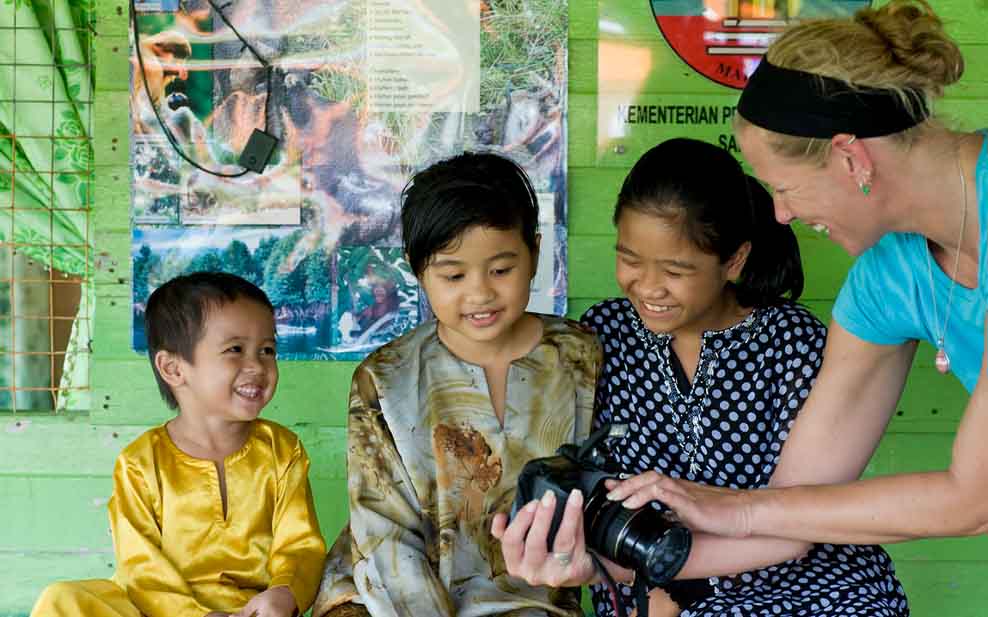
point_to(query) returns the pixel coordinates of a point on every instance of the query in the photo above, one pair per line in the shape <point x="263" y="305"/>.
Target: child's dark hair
<point x="472" y="189"/>
<point x="720" y="208"/>
<point x="175" y="316"/>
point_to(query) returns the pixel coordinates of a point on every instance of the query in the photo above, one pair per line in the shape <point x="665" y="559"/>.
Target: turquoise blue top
<point x="886" y="298"/>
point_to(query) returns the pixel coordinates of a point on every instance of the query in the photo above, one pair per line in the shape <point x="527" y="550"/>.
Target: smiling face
<point x="233" y="373"/>
<point x="675" y="287"/>
<point x="478" y="288"/>
<point x="824" y="198"/>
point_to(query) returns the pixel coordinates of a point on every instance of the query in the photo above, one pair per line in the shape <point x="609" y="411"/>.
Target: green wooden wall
<point x="55" y="470"/>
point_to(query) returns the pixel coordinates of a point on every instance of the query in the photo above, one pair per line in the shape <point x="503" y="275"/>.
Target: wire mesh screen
<point x="46" y="173"/>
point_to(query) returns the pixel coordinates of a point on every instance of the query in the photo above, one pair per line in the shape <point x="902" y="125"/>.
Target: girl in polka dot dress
<point x="708" y="360"/>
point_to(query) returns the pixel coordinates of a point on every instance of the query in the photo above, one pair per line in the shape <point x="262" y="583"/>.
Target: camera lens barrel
<point x="644" y="540"/>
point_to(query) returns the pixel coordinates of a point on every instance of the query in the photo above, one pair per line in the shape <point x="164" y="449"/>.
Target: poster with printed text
<point x="360" y="94"/>
<point x="675" y="68"/>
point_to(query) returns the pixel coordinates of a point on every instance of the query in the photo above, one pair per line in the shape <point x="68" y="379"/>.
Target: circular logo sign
<point x="724" y="39"/>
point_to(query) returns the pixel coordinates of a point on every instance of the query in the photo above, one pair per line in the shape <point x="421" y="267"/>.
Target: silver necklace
<point x="942" y="360"/>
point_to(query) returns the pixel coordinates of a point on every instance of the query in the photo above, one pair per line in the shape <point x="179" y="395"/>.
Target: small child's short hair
<point x="176" y="312"/>
<point x="472" y="189"/>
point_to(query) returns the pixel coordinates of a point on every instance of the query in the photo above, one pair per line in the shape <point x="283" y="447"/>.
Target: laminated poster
<point x="359" y="94"/>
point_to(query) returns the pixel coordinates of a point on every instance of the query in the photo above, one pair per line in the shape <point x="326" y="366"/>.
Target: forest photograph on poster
<point x="299" y="290"/>
<point x="322" y="307"/>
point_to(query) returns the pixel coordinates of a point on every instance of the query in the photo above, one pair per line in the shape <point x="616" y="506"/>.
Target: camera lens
<point x="644" y="539"/>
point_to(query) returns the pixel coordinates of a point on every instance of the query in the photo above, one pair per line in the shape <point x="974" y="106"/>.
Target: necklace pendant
<point x="942" y="361"/>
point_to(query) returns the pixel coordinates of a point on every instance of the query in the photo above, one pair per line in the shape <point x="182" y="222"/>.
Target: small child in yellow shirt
<point x="211" y="512"/>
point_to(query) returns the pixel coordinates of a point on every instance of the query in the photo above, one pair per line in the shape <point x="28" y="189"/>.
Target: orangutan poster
<point x="359" y="95"/>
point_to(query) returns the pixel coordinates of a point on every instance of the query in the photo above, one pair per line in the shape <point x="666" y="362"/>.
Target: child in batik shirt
<point x="443" y="419"/>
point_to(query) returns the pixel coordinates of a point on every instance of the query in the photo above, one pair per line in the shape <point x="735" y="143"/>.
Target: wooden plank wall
<point x="55" y="470"/>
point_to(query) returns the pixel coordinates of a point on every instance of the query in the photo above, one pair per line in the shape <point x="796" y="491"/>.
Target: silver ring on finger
<point x="563" y="557"/>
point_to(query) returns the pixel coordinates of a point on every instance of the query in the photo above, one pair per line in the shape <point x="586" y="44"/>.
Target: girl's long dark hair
<point x="720" y="208"/>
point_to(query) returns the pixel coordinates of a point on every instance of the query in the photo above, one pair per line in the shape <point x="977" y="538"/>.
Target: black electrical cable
<point x="268" y="69"/>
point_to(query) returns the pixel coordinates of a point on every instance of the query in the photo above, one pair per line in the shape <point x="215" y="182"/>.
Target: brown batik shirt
<point x="430" y="465"/>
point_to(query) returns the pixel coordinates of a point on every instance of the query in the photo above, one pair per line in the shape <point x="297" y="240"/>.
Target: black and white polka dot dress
<point x="727" y="429"/>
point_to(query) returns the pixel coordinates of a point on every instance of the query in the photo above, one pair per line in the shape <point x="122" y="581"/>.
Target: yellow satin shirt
<point x="176" y="552"/>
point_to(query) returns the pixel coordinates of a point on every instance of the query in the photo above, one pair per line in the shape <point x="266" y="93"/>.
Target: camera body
<point x="646" y="540"/>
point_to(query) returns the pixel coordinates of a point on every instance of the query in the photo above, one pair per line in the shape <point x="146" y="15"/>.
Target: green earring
<point x="865" y="184"/>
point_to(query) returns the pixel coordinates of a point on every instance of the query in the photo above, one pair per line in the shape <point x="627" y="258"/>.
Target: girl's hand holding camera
<point x="644" y="539"/>
<point x="524" y="542"/>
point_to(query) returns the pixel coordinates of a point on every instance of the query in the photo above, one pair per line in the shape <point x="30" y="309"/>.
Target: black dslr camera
<point x="646" y="540"/>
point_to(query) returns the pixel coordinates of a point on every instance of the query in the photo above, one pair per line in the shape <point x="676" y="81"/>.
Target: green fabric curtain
<point x="46" y="93"/>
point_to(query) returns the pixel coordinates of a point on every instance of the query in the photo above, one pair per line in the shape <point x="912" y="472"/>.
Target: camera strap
<point x="639" y="589"/>
<point x="612" y="587"/>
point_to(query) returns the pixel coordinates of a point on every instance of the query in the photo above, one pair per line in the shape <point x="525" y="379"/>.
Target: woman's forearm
<point x="796" y="518"/>
<point x="713" y="555"/>
<point x="875" y="511"/>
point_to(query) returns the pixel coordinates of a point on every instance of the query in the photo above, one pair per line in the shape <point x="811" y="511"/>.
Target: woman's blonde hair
<point x="900" y="46"/>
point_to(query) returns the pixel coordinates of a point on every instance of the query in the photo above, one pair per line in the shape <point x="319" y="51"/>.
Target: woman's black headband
<point x="809" y="105"/>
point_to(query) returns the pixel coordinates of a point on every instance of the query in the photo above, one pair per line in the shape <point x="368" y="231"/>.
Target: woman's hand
<point x="524" y="542"/>
<point x="712" y="509"/>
